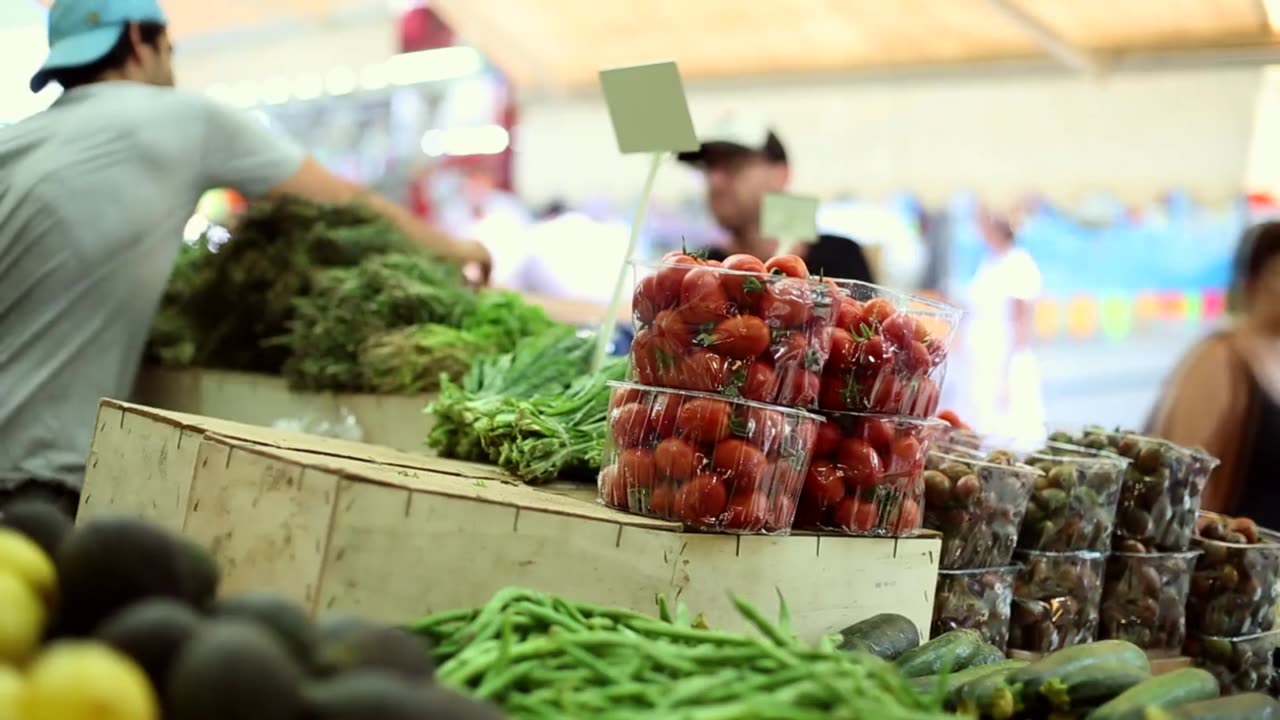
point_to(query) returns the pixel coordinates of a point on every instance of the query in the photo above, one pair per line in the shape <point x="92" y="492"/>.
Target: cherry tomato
<point x="740" y="463"/>
<point x="703" y="420"/>
<point x="741" y="337"/>
<point x="906" y="455"/>
<point x="636" y="468"/>
<point x="745" y="290"/>
<point x="645" y="300"/>
<point x="916" y="357"/>
<point x="876" y="311"/>
<point x="873" y="356"/>
<point x="702" y="297"/>
<point x="671" y="277"/>
<point x="880" y="433"/>
<point x="652" y="362"/>
<point x="664" y="409"/>
<point x="829" y="437"/>
<point x="789" y="265"/>
<point x="786" y="303"/>
<point x="746" y="511"/>
<point x="622" y="396"/>
<point x="824" y="485"/>
<point x="612" y="490"/>
<point x="925" y="402"/>
<point x="761" y="426"/>
<point x="848" y="314"/>
<point x="799" y="388"/>
<point x="629" y="425"/>
<point x="860" y="463"/>
<point x="820" y="339"/>
<point x="761" y="383"/>
<point x="673" y="330"/>
<point x="952" y="419"/>
<point x="787" y="478"/>
<point x="856" y="516"/>
<point x="701" y="500"/>
<point x="781" y="514"/>
<point x="704" y="371"/>
<point x="839" y="391"/>
<point x="677" y="459"/>
<point x="789" y="348"/>
<point x="899" y="329"/>
<point x="886" y="394"/>
<point x="908" y="518"/>
<point x="844" y="350"/>
<point x="662" y="500"/>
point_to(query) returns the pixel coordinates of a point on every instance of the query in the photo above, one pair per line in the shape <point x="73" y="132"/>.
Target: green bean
<point x="765" y="627"/>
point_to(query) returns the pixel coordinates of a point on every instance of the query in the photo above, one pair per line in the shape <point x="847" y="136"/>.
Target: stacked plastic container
<point x="763" y="398"/>
<point x="976" y="500"/>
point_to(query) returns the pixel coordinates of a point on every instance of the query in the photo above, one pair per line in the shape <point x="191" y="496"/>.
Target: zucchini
<point x="987" y="655"/>
<point x="990" y="696"/>
<point x="1120" y="652"/>
<point x="1087" y="685"/>
<point x="950" y="651"/>
<point x="1171" y="689"/>
<point x="885" y="635"/>
<point x="950" y="682"/>
<point x="1248" y="706"/>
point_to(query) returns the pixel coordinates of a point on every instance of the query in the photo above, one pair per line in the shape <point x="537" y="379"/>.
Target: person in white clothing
<point x="994" y="376"/>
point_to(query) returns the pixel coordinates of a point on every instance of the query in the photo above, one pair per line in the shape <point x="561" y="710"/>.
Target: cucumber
<point x="885" y="635"/>
<point x="990" y="696"/>
<point x="1171" y="689"/>
<point x="1120" y="652"/>
<point x="1087" y="685"/>
<point x="1249" y="706"/>
<point x="952" y="681"/>
<point x="987" y="655"/>
<point x="950" y="650"/>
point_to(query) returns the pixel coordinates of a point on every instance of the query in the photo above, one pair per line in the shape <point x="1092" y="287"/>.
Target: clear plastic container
<point x="976" y="599"/>
<point x="977" y="502"/>
<point x="1234" y="588"/>
<point x="1241" y="664"/>
<point x="755" y="336"/>
<point x="888" y="351"/>
<point x="1056" y="597"/>
<point x="1144" y="600"/>
<point x="1073" y="505"/>
<point x="1161" y="494"/>
<point x="866" y="474"/>
<point x="703" y="460"/>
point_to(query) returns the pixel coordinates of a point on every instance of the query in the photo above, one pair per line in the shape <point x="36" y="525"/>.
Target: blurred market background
<point x="1131" y="140"/>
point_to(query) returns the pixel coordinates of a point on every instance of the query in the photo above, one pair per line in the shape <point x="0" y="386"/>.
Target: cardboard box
<point x="393" y="536"/>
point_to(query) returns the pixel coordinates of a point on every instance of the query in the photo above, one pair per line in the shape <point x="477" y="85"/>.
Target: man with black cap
<point x="743" y="160"/>
<point x="94" y="194"/>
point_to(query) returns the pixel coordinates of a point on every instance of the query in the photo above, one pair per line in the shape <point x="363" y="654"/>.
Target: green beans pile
<point x="540" y="656"/>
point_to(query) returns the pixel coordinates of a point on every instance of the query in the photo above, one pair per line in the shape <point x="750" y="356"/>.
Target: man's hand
<point x="477" y="263"/>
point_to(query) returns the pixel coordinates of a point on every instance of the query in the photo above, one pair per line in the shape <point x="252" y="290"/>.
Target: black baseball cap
<point x="738" y="134"/>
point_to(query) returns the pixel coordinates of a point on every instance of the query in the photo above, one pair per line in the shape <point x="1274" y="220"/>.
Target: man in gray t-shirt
<point x="94" y="195"/>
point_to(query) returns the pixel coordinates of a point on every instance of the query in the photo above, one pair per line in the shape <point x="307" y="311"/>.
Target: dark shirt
<point x="830" y="256"/>
<point x="1259" y="459"/>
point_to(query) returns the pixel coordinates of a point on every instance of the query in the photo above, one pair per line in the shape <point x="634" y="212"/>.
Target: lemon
<point x="10" y="686"/>
<point x="21" y="556"/>
<point x="79" y="680"/>
<point x="22" y="619"/>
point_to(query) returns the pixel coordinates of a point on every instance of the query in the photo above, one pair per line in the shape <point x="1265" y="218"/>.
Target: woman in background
<point x="995" y="377"/>
<point x="1225" y="394"/>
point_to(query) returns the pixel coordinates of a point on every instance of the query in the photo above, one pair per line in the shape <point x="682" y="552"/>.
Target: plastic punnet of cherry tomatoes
<point x="706" y="461"/>
<point x="865" y="476"/>
<point x="888" y="351"/>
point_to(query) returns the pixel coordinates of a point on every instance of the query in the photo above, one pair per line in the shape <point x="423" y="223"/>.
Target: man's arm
<point x="314" y="182"/>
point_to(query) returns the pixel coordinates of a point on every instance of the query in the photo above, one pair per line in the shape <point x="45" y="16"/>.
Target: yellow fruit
<point x="78" y="680"/>
<point x="22" y="619"/>
<point x="22" y="557"/>
<point x="10" y="686"/>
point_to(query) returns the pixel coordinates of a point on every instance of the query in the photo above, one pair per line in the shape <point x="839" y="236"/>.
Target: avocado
<point x="282" y="617"/>
<point x="152" y="632"/>
<point x="44" y="523"/>
<point x="110" y="563"/>
<point x="237" y="669"/>
<point x="348" y="643"/>
<point x="375" y="695"/>
<point x="200" y="574"/>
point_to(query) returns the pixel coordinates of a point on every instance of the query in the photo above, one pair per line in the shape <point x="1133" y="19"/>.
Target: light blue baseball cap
<point x="81" y="32"/>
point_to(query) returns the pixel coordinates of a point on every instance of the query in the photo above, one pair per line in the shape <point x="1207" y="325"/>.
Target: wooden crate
<point x="396" y="421"/>
<point x="346" y="526"/>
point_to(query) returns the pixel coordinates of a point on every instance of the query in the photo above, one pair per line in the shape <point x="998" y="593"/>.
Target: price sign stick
<point x="610" y="321"/>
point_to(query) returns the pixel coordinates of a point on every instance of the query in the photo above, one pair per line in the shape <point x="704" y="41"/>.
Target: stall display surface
<point x="346" y="526"/>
